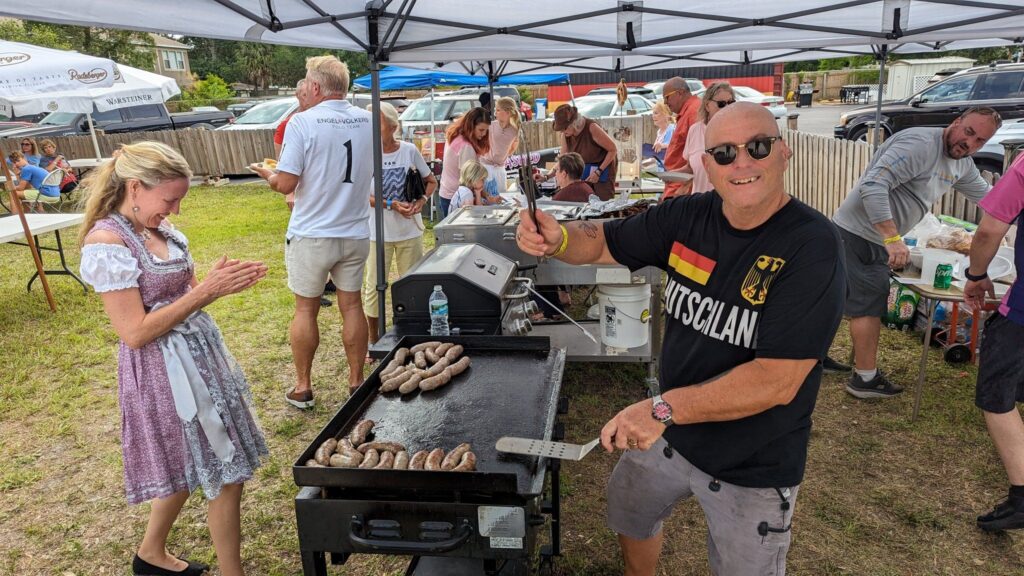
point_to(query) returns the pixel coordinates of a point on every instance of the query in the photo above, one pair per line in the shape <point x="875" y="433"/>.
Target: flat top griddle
<point x="511" y="389"/>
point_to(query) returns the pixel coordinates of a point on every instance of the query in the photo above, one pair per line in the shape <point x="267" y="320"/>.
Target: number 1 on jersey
<point x="348" y="162"/>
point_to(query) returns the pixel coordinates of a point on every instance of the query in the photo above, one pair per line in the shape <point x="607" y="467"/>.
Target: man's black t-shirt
<point x="732" y="296"/>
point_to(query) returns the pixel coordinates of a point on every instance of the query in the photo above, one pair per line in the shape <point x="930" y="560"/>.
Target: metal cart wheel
<point x="957" y="354"/>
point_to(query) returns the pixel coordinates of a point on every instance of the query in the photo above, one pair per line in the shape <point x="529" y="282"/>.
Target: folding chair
<point x="52" y="179"/>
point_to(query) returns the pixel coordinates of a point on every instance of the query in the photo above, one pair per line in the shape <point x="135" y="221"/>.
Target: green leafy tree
<point x="211" y="91"/>
<point x="219" y="57"/>
<point x="122" y="46"/>
<point x="257" y="61"/>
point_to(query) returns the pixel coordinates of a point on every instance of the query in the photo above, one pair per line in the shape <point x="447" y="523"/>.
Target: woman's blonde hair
<point x="661" y="108"/>
<point x="709" y="94"/>
<point x="390" y="114"/>
<point x="47" y="142"/>
<point x="509" y="105"/>
<point x="148" y="162"/>
<point x="471" y="173"/>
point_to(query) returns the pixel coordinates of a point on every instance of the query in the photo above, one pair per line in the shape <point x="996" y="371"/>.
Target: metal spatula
<point x="531" y="447"/>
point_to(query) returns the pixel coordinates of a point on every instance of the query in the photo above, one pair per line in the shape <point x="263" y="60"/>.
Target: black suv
<point x="997" y="86"/>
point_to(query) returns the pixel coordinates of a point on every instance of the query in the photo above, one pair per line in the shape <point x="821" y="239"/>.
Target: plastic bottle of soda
<point x="438" y="312"/>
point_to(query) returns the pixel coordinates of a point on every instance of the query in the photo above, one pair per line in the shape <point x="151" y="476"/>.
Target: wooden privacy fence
<point x="822" y="171"/>
<point x="208" y="152"/>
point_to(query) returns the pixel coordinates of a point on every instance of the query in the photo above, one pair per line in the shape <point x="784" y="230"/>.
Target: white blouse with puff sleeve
<point x="109" y="267"/>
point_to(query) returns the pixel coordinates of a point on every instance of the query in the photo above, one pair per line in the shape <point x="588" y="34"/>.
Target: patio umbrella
<point x="34" y="80"/>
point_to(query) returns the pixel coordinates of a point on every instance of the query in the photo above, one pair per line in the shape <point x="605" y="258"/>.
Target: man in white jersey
<point x="327" y="161"/>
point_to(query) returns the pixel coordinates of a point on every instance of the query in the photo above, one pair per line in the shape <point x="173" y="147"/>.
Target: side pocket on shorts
<point x="775" y="530"/>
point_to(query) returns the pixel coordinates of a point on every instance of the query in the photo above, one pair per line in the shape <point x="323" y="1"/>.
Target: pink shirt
<point x="1005" y="202"/>
<point x="456" y="153"/>
<point x="501" y="140"/>
<point x="693" y="151"/>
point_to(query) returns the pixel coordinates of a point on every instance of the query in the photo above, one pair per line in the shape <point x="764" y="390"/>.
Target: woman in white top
<point x="403" y="224"/>
<point x="718" y="96"/>
<point x="504" y="137"/>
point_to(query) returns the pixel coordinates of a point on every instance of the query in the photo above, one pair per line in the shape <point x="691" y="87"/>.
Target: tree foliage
<point x="212" y="90"/>
<point x="982" y="55"/>
<point x="122" y="46"/>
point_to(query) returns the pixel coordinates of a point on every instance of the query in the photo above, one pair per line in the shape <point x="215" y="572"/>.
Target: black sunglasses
<point x="723" y="103"/>
<point x="759" y="149"/>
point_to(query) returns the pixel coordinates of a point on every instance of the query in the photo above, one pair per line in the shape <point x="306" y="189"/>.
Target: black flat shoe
<point x="142" y="568"/>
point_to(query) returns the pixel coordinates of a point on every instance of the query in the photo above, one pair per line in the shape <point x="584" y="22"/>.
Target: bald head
<point x="752" y="119"/>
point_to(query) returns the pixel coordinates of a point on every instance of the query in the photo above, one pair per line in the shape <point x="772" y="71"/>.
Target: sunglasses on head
<point x="723" y="103"/>
<point x="759" y="149"/>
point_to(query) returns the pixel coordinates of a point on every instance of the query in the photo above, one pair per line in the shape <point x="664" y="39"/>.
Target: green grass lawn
<point x="882" y="495"/>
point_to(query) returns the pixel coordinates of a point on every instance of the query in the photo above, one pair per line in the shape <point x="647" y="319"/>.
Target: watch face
<point x="662" y="411"/>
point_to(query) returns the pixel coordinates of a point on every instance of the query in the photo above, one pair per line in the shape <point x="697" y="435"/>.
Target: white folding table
<point x="11" y="232"/>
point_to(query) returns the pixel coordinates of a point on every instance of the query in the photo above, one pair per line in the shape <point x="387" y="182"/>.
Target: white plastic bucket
<point x="931" y="258"/>
<point x="625" y="313"/>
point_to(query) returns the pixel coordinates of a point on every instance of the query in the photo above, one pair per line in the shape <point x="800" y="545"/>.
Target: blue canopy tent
<point x="397" y="78"/>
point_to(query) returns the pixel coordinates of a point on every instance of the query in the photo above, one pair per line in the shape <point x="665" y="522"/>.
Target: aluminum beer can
<point x="943" y="276"/>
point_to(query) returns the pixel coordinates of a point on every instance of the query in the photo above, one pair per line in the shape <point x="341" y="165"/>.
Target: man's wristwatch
<point x="974" y="277"/>
<point x="661" y="411"/>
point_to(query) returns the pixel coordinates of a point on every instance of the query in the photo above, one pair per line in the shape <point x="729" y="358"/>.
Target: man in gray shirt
<point x="911" y="170"/>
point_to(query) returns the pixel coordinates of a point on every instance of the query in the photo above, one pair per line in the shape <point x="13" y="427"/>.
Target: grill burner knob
<point x="479" y="262"/>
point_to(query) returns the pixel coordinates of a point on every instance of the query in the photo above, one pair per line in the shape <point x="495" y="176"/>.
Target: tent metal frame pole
<point x="338" y="26"/>
<point x="490" y="81"/>
<point x="378" y="173"/>
<point x="877" y="137"/>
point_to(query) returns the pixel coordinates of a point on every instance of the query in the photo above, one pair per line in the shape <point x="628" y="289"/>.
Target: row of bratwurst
<point x="353" y="451"/>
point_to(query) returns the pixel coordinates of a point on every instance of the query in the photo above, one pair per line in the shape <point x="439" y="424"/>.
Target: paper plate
<point x="999" y="267"/>
<point x="674" y="176"/>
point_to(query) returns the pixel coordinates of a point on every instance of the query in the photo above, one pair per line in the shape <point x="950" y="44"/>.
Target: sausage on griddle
<point x="468" y="463"/>
<point x="387" y="460"/>
<point x="381" y="447"/>
<point x="418" y="460"/>
<point x="410" y="384"/>
<point x="401" y="460"/>
<point x="455" y="456"/>
<point x="370" y="459"/>
<point x="454" y="352"/>
<point x="323" y="453"/>
<point x="360" y="432"/>
<point x="434" y="459"/>
<point x="347" y="459"/>
<point x="424" y="346"/>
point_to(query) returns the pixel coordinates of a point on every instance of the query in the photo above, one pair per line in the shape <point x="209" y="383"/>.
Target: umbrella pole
<point x="378" y="197"/>
<point x="29" y="239"/>
<point x="92" y="134"/>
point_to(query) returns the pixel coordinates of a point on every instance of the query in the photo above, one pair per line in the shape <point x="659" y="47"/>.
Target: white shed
<point x="907" y="77"/>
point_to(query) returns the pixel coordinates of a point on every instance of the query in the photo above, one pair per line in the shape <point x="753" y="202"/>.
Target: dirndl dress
<point x="186" y="417"/>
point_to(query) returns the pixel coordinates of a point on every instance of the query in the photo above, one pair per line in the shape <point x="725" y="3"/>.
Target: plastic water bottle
<point x="438" y="312"/>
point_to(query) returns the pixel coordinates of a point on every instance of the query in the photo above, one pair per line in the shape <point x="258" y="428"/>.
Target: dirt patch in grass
<point x="882" y="495"/>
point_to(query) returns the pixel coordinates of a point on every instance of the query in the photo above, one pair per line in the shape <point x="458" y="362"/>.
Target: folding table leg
<point x="924" y="357"/>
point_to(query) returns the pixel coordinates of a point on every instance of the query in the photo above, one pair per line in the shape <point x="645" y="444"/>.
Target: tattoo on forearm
<point x="589" y="229"/>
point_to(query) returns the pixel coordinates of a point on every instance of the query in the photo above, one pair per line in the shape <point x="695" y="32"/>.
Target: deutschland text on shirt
<point x="737" y="326"/>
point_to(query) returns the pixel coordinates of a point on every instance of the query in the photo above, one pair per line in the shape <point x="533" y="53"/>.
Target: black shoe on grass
<point x="1007" y="515"/>
<point x="877" y="387"/>
<point x="830" y="366"/>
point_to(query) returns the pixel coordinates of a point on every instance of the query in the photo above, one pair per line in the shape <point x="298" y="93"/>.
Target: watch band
<point x="661" y="410"/>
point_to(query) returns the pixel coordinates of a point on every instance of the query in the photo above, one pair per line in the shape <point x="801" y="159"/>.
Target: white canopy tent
<point x="569" y="36"/>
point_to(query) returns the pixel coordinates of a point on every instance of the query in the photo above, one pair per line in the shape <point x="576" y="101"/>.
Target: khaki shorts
<point x="748" y="528"/>
<point x="310" y="260"/>
<point x="404" y="253"/>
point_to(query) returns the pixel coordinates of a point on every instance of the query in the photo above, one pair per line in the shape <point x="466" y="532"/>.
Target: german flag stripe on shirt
<point x="691" y="264"/>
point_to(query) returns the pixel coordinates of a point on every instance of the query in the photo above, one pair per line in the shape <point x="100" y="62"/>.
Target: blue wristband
<point x="389" y="203"/>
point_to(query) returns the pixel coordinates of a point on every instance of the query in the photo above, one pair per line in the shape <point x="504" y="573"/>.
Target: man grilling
<point x="754" y="296"/>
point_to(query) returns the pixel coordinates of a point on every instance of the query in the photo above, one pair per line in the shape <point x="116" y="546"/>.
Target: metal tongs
<point x="528" y="184"/>
<point x="558" y="450"/>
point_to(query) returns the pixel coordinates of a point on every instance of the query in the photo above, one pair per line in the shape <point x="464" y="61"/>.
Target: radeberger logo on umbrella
<point x="12" y="58"/>
<point x="91" y="77"/>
